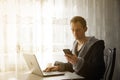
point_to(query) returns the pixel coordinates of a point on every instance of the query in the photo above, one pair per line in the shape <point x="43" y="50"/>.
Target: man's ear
<point x="85" y="29"/>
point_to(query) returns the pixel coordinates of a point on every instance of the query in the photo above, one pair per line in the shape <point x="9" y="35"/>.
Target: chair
<point x="109" y="58"/>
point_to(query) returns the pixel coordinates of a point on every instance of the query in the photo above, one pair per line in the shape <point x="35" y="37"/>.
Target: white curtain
<point x="33" y="26"/>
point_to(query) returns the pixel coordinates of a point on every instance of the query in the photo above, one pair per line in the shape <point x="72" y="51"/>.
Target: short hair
<point x="79" y="19"/>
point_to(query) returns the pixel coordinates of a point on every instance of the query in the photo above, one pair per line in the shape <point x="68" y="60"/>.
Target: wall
<point x="104" y="21"/>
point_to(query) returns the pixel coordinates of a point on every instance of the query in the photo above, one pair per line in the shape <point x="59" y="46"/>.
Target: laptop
<point x="33" y="65"/>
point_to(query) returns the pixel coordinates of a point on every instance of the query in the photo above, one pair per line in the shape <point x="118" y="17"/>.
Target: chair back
<point x="109" y="58"/>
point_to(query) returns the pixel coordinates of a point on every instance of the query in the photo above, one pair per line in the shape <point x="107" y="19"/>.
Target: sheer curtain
<point x="35" y="27"/>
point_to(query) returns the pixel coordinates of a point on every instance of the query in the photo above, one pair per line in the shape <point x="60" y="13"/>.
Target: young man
<point x="88" y="58"/>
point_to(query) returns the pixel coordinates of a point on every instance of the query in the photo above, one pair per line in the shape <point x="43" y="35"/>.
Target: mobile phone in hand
<point x="67" y="51"/>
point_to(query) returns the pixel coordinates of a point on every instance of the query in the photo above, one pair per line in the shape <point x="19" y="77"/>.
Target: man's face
<point x="78" y="30"/>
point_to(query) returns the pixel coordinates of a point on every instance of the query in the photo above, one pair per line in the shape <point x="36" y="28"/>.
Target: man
<point x="87" y="59"/>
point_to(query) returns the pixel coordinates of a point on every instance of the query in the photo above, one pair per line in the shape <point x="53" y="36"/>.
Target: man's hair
<point x="78" y="19"/>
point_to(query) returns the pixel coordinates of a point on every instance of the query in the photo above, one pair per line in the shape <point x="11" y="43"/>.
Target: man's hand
<point x="73" y="59"/>
<point x="53" y="68"/>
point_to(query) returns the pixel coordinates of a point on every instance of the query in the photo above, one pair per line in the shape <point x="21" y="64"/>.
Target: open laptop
<point x="33" y="65"/>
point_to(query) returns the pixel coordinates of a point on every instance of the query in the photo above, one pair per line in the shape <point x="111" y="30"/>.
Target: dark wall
<point x="112" y="38"/>
<point x="104" y="22"/>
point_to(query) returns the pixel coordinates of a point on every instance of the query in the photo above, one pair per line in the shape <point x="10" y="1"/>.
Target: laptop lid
<point x="34" y="66"/>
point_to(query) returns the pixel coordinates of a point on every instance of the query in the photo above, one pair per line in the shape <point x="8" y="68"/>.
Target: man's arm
<point x="64" y="66"/>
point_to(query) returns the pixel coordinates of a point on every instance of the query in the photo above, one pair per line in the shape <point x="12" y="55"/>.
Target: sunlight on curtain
<point x="38" y="27"/>
<point x="31" y="26"/>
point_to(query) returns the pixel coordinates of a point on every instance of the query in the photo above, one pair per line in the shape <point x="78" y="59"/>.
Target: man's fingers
<point x="50" y="69"/>
<point x="53" y="69"/>
<point x="47" y="69"/>
<point x="68" y="56"/>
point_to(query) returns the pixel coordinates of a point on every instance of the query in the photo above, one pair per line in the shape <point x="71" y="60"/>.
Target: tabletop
<point x="30" y="76"/>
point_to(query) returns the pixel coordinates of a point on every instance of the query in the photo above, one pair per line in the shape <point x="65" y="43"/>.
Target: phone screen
<point x="67" y="51"/>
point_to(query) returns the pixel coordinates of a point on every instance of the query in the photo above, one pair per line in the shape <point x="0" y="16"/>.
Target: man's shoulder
<point x="99" y="42"/>
<point x="93" y="40"/>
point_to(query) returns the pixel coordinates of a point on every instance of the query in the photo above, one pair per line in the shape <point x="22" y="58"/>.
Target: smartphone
<point x="67" y="51"/>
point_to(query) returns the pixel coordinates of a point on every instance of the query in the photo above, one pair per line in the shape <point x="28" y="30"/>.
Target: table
<point x="29" y="76"/>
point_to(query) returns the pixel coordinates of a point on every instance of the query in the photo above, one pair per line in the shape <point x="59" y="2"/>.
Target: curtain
<point x="34" y="27"/>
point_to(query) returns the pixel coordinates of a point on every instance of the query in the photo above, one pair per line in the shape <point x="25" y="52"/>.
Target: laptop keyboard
<point x="55" y="72"/>
<point x="50" y="72"/>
